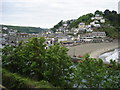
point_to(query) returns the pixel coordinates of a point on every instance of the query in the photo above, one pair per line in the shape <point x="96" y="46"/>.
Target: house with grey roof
<point x="94" y="37"/>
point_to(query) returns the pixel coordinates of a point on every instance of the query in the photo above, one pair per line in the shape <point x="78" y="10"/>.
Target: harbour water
<point x="114" y="55"/>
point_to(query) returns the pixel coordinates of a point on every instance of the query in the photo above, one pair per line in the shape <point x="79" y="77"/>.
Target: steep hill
<point x="111" y="25"/>
<point x="85" y="19"/>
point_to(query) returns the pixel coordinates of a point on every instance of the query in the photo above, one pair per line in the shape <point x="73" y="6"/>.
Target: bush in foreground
<point x="33" y="60"/>
<point x="13" y="80"/>
<point x="93" y="73"/>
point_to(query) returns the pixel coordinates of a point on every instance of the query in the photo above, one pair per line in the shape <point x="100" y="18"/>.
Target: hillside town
<point x="59" y="44"/>
<point x="68" y="37"/>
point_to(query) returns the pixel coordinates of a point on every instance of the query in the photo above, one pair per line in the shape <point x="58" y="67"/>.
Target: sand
<point x="94" y="49"/>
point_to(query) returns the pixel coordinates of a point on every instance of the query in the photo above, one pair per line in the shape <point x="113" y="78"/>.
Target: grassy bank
<point x="13" y="80"/>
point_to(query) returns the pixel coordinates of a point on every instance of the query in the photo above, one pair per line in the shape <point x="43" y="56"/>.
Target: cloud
<point x="46" y="13"/>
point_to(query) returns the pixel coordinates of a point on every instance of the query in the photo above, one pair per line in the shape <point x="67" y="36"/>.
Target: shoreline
<point x="94" y="49"/>
<point x="109" y="51"/>
<point x="96" y="54"/>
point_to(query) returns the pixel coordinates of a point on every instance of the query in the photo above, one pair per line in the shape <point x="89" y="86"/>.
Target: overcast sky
<point x="47" y="13"/>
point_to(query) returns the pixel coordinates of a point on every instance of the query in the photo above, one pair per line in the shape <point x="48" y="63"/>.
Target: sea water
<point x="114" y="55"/>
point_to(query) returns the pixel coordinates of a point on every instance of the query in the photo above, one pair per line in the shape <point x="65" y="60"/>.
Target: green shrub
<point x="93" y="73"/>
<point x="13" y="80"/>
<point x="34" y="61"/>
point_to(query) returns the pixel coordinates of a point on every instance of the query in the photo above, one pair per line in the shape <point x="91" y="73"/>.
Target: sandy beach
<point x="94" y="49"/>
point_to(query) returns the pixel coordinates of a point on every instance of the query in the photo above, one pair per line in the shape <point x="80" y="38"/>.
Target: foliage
<point x="109" y="30"/>
<point x="54" y="65"/>
<point x="29" y="56"/>
<point x="93" y="73"/>
<point x="57" y="26"/>
<point x="72" y="24"/>
<point x="57" y="69"/>
<point x="16" y="81"/>
<point x="111" y="25"/>
<point x="33" y="60"/>
<point x="85" y="18"/>
<point x="98" y="12"/>
<point x="26" y="29"/>
<point x="112" y="17"/>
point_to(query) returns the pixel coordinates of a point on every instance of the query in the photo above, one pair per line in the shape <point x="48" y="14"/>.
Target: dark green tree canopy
<point x="98" y="12"/>
<point x="33" y="60"/>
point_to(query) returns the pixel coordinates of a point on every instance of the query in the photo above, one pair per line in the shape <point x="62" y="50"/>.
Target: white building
<point x="98" y="17"/>
<point x="88" y="26"/>
<point x="92" y="18"/>
<point x="62" y="39"/>
<point x="76" y="30"/>
<point x="89" y="30"/>
<point x="99" y="34"/>
<point x="102" y="20"/>
<point x="86" y="39"/>
<point x="5" y="28"/>
<point x="81" y="25"/>
<point x="94" y="23"/>
<point x="12" y="32"/>
<point x="94" y="36"/>
<point x="97" y="25"/>
<point x="61" y="29"/>
<point x="65" y="25"/>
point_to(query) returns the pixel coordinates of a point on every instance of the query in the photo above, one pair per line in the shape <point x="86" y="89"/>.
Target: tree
<point x="107" y="12"/>
<point x="85" y="19"/>
<point x="7" y="58"/>
<point x="114" y="12"/>
<point x="33" y="60"/>
<point x="98" y="12"/>
<point x="59" y="24"/>
<point x="112" y="17"/>
<point x="93" y="73"/>
<point x="58" y="66"/>
<point x="26" y="58"/>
